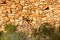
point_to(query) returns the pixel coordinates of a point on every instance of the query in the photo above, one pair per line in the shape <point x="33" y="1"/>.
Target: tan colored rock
<point x="19" y="7"/>
<point x="30" y="11"/>
<point x="17" y="15"/>
<point x="5" y="19"/>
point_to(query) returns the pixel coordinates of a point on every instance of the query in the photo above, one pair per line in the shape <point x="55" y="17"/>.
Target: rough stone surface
<point x="33" y="12"/>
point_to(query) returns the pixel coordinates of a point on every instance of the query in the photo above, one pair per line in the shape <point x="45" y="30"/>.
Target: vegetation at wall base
<point x="44" y="32"/>
<point x="10" y="28"/>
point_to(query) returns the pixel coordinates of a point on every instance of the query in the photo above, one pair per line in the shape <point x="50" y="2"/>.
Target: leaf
<point x="10" y="28"/>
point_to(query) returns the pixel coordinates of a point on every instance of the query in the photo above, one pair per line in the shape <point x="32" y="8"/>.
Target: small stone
<point x="5" y="19"/>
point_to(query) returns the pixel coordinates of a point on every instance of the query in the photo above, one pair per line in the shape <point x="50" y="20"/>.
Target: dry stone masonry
<point x="29" y="12"/>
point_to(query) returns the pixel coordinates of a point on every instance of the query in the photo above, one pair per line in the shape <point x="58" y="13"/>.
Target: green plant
<point x="14" y="36"/>
<point x="44" y="32"/>
<point x="1" y="34"/>
<point x="58" y="29"/>
<point x="36" y="35"/>
<point x="46" y="29"/>
<point x="10" y="28"/>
